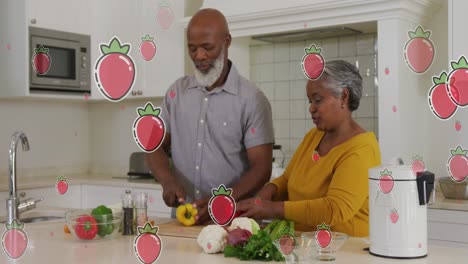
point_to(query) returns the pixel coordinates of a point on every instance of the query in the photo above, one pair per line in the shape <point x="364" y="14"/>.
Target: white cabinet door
<point x="156" y="205"/>
<point x="130" y="21"/>
<point x="71" y="16"/>
<point x="70" y="199"/>
<point x="447" y="227"/>
<point x="95" y="195"/>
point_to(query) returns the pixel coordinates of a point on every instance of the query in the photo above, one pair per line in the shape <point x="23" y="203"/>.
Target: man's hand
<point x="203" y="214"/>
<point x="173" y="193"/>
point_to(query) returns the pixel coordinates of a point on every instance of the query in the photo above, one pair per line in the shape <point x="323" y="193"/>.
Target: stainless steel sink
<point x="40" y="219"/>
<point x="39" y="215"/>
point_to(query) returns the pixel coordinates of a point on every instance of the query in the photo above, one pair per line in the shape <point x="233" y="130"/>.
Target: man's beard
<point x="213" y="74"/>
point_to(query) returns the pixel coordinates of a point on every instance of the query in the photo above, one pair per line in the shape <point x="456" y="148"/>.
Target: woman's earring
<point x="342" y="106"/>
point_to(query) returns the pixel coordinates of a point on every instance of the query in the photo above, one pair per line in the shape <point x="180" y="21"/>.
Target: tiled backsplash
<point x="276" y="69"/>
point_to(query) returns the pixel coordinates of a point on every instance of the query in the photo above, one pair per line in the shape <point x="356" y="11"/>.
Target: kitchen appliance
<point x="398" y="211"/>
<point x="138" y="167"/>
<point x="69" y="61"/>
<point x="277" y="166"/>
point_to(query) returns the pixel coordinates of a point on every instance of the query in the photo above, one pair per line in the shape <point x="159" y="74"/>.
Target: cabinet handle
<point x="33" y="21"/>
<point x="22" y="194"/>
<point x="140" y="92"/>
<point x="134" y="93"/>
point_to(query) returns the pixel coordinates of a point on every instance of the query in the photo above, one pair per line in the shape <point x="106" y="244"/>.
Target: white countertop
<point x="49" y="244"/>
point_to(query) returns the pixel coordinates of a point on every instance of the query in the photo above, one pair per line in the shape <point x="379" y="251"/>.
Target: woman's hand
<point x="257" y="208"/>
<point x="267" y="192"/>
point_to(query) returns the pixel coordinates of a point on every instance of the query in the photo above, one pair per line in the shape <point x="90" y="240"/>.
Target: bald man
<point x="219" y="125"/>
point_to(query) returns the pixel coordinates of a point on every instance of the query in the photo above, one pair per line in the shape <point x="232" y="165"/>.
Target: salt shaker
<point x="127" y="206"/>
<point x="141" y="206"/>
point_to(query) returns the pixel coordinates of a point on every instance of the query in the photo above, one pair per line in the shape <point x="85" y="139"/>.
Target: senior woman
<point x="327" y="178"/>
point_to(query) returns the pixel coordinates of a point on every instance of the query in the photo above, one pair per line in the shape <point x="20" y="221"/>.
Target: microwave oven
<point x="67" y="62"/>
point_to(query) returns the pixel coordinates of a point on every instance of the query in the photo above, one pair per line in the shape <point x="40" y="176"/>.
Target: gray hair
<point x="344" y="75"/>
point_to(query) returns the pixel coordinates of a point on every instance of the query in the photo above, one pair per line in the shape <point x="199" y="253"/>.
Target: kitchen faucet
<point x="14" y="207"/>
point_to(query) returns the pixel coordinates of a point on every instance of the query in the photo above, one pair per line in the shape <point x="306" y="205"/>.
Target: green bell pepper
<point x="103" y="216"/>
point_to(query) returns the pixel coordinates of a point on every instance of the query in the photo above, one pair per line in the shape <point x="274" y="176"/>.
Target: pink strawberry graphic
<point x="417" y="165"/>
<point x="253" y="130"/>
<point x="221" y="205"/>
<point x="457" y="164"/>
<point x="149" y="129"/>
<point x="172" y="94"/>
<point x="62" y="185"/>
<point x="387" y="71"/>
<point x="458" y="82"/>
<point x="458" y="125"/>
<point x="41" y="60"/>
<point x="419" y="50"/>
<point x="394" y="109"/>
<point x="439" y="101"/>
<point x="14" y="239"/>
<point x="323" y="235"/>
<point x="394" y="216"/>
<point x="313" y="63"/>
<point x="315" y="156"/>
<point x="115" y="71"/>
<point x="287" y="243"/>
<point x="147" y="48"/>
<point x="386" y="181"/>
<point x="147" y="245"/>
<point x="165" y="15"/>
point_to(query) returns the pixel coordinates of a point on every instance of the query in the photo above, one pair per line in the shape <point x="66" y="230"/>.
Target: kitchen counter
<point x="49" y="244"/>
<point x="448" y="204"/>
<point x="95" y="179"/>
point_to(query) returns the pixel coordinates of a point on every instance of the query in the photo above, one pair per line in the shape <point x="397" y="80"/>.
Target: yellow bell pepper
<point x="185" y="214"/>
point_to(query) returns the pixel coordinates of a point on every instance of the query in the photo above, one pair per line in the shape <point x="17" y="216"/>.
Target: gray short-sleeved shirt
<point x="211" y="131"/>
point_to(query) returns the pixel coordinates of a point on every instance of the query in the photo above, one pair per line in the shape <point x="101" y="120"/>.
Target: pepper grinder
<point x="141" y="206"/>
<point x="127" y="206"/>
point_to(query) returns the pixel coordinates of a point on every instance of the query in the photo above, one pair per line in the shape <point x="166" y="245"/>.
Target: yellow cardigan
<point x="333" y="189"/>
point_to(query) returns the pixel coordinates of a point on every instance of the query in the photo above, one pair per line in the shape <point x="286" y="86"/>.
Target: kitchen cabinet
<point x="95" y="195"/>
<point x="52" y="198"/>
<point x="130" y="22"/>
<point x="156" y="205"/>
<point x="71" y="16"/>
<point x="71" y="199"/>
<point x="448" y="227"/>
<point x="104" y="19"/>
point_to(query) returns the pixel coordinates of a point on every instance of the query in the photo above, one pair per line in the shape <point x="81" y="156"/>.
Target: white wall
<point x="238" y="7"/>
<point x="58" y="134"/>
<point x="439" y="135"/>
<point x="111" y="140"/>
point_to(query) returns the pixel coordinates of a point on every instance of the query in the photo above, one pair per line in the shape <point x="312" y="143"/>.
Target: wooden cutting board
<point x="176" y="229"/>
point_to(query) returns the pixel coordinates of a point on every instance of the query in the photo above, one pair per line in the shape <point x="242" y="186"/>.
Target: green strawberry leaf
<point x="385" y="172"/>
<point x="41" y="49"/>
<point x="148" y="229"/>
<point x="417" y="157"/>
<point x="114" y="47"/>
<point x="149" y="110"/>
<point x="222" y="190"/>
<point x="323" y="226"/>
<point x="461" y="64"/>
<point x="459" y="151"/>
<point x="313" y="50"/>
<point x="15" y="224"/>
<point x="147" y="38"/>
<point x="61" y="178"/>
<point x="419" y="33"/>
<point x="441" y="79"/>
